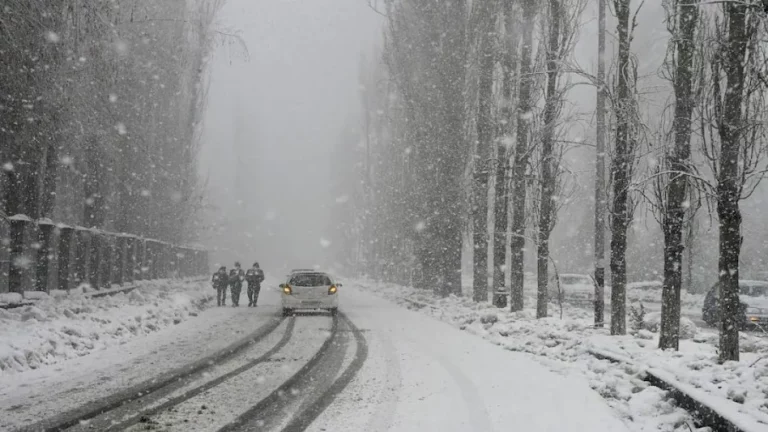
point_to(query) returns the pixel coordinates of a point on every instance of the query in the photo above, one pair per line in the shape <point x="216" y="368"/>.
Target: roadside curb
<point x="726" y="417"/>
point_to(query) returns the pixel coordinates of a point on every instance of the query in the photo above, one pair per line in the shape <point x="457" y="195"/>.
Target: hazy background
<point x="275" y="114"/>
<point x="272" y="120"/>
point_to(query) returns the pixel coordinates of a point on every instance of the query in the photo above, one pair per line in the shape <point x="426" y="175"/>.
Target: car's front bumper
<point x="326" y="302"/>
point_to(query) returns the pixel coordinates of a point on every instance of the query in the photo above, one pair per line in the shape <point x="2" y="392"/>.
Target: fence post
<point x="108" y="257"/>
<point x="23" y="255"/>
<point x="130" y="258"/>
<point x="65" y="253"/>
<point x="121" y="258"/>
<point x="5" y="254"/>
<point x="150" y="260"/>
<point x="141" y="261"/>
<point x="46" y="255"/>
<point x="97" y="259"/>
<point x="82" y="255"/>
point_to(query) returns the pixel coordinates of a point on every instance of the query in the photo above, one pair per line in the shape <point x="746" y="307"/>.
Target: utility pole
<point x="600" y="174"/>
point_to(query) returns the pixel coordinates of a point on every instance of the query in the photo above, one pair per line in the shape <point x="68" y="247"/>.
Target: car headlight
<point x="332" y="290"/>
<point x="287" y="289"/>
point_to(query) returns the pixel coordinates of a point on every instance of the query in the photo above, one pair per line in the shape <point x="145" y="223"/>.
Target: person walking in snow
<point x="236" y="277"/>
<point x="254" y="276"/>
<point x="220" y="281"/>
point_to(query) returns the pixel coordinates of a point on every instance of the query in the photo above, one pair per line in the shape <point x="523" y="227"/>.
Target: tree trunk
<point x="548" y="168"/>
<point x="452" y="147"/>
<point x="501" y="205"/>
<point x="482" y="168"/>
<point x="728" y="185"/>
<point x="600" y="202"/>
<point x="520" y="164"/>
<point x="621" y="169"/>
<point x="689" y="251"/>
<point x="679" y="159"/>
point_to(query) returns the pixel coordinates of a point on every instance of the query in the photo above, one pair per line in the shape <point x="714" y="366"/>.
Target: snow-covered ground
<point x="563" y="346"/>
<point x="60" y="327"/>
<point x="123" y="358"/>
<point x="425" y="375"/>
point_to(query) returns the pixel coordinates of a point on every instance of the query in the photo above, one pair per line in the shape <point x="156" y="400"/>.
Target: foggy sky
<point x="283" y="107"/>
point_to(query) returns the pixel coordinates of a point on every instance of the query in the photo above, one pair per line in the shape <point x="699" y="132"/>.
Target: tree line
<point x="100" y="111"/>
<point x="466" y="121"/>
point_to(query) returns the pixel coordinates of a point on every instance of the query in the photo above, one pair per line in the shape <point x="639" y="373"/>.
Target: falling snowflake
<point x="507" y="141"/>
<point x="342" y="199"/>
<point x="526" y="116"/>
<point x="121" y="129"/>
<point x="112" y="97"/>
<point x="270" y="215"/>
<point x="653" y="162"/>
<point x="325" y="243"/>
<point x="52" y="37"/>
<point x="22" y="262"/>
<point x="82" y="59"/>
<point x="121" y="47"/>
<point x="420" y="226"/>
<point x="146" y="193"/>
<point x="8" y="166"/>
<point x="67" y="160"/>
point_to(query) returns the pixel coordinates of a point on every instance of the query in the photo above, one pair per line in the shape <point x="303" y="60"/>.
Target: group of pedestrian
<point x="233" y="280"/>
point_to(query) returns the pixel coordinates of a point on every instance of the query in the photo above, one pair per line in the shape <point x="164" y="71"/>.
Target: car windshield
<point x="753" y="289"/>
<point x="310" y="279"/>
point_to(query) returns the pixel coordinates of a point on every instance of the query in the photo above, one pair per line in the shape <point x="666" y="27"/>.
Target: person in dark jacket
<point x="236" y="277"/>
<point x="254" y="276"/>
<point x="220" y="281"/>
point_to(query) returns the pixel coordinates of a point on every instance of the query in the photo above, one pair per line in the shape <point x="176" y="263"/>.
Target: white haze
<point x="279" y="114"/>
<point x="287" y="106"/>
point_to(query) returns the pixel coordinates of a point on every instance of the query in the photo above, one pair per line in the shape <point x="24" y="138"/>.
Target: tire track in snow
<point x="305" y="418"/>
<point x="83" y="414"/>
<point x="208" y="385"/>
<point x="271" y="407"/>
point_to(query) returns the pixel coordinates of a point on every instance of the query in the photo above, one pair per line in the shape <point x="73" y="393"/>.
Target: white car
<point x="574" y="287"/>
<point x="310" y="290"/>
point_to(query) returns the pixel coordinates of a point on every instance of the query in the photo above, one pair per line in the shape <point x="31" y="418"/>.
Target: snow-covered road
<point x="379" y="367"/>
<point x="425" y="375"/>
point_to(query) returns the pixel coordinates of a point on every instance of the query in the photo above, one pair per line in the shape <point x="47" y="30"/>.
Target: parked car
<point x="753" y="296"/>
<point x="645" y="291"/>
<point x="578" y="287"/>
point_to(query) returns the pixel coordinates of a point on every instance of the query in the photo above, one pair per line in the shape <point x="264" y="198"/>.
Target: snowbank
<point x="59" y="327"/>
<point x="564" y="346"/>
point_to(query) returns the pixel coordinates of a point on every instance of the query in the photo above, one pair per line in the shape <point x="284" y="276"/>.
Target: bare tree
<point x="485" y="133"/>
<point x="600" y="195"/>
<point x="562" y="24"/>
<point x="621" y="167"/>
<point x="734" y="141"/>
<point x="682" y="18"/>
<point x="509" y="87"/>
<point x="522" y="155"/>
